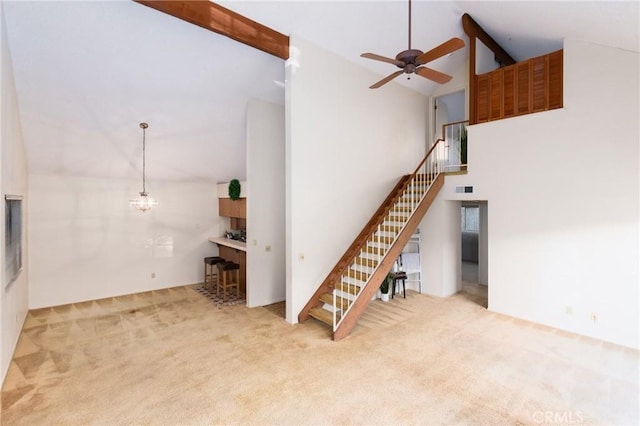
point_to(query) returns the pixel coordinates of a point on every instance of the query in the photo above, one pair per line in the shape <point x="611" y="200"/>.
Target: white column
<point x="483" y="246"/>
<point x="431" y="249"/>
<point x="451" y="249"/>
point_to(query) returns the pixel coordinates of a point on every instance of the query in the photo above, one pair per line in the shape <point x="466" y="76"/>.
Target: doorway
<point x="474" y="246"/>
<point x="449" y="108"/>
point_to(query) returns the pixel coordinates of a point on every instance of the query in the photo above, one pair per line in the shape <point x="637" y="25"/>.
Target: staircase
<point x="345" y="293"/>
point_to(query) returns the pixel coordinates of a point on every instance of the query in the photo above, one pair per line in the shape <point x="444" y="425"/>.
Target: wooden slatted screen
<point x="522" y="88"/>
<point x="495" y="96"/>
<point x="539" y="83"/>
<point x="509" y="91"/>
<point x="483" y="98"/>
<point x="555" y="80"/>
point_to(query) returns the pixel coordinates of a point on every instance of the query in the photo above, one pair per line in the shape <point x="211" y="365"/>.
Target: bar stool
<point x="210" y="272"/>
<point x="228" y="277"/>
<point x="399" y="276"/>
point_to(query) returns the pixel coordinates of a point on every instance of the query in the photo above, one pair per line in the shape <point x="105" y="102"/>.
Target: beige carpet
<point x="174" y="357"/>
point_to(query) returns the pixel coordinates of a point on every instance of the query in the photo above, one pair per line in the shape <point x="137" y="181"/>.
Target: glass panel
<point x="470" y="219"/>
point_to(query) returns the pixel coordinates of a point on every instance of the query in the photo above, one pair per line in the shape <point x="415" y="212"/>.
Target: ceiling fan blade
<point x="438" y="51"/>
<point x="434" y="75"/>
<point x="386" y="79"/>
<point x="383" y="59"/>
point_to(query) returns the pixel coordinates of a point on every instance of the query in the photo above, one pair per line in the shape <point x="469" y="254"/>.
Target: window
<point x="13" y="237"/>
<point x="470" y="219"/>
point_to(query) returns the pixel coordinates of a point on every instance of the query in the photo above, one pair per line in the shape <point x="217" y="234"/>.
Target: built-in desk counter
<point x="221" y="241"/>
<point x="234" y="251"/>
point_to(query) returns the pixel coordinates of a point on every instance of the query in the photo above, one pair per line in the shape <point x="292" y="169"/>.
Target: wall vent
<point x="464" y="189"/>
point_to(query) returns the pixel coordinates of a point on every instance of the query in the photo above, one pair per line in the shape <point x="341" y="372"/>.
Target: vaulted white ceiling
<point x="88" y="72"/>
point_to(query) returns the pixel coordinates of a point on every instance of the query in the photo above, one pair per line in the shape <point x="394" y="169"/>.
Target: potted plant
<point x="384" y="287"/>
<point x="234" y="189"/>
<point x="463" y="146"/>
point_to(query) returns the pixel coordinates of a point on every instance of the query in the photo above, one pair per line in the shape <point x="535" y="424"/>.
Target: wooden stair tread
<point x="371" y="263"/>
<point x="373" y="250"/>
<point x="401" y="209"/>
<point x="349" y="288"/>
<point x="358" y="275"/>
<point x="323" y="315"/>
<point x="386" y="240"/>
<point x="342" y="303"/>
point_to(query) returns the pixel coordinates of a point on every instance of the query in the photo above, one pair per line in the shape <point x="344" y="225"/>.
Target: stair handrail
<point x="435" y="144"/>
<point x="412" y="183"/>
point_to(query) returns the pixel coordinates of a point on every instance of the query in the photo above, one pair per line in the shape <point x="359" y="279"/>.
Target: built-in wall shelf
<point x="410" y="262"/>
<point x="232" y="208"/>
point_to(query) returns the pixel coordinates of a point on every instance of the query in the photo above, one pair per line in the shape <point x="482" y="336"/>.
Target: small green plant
<point x="234" y="189"/>
<point x="463" y="146"/>
<point x="386" y="283"/>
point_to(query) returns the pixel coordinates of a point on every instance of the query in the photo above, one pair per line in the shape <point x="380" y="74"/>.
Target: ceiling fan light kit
<point x="411" y="61"/>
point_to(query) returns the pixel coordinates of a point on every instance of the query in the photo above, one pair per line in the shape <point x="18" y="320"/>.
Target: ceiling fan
<point x="411" y="61"/>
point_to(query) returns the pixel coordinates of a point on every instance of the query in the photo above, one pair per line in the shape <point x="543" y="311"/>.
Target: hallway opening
<point x="474" y="244"/>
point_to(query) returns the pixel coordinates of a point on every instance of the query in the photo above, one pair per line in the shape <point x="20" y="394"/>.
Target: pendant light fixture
<point x="143" y="203"/>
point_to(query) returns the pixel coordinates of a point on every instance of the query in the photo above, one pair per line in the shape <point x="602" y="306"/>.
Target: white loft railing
<point x="358" y="274"/>
<point x="455" y="147"/>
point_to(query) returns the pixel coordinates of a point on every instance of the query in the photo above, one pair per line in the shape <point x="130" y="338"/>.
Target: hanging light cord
<point x="144" y="156"/>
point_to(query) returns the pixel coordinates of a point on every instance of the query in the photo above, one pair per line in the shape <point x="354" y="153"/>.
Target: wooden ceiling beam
<point x="473" y="29"/>
<point x="221" y="20"/>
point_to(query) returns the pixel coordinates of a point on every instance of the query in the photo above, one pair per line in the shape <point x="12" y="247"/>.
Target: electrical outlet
<point x="301" y="256"/>
<point x="594" y="317"/>
<point x="153" y="275"/>
<point x="568" y="310"/>
<point x="267" y="248"/>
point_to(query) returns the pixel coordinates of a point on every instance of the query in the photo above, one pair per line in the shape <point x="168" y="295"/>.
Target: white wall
<point x="13" y="166"/>
<point x="455" y="105"/>
<point x="266" y="281"/>
<point x="459" y="83"/>
<point x="563" y="190"/>
<point x="86" y="242"/>
<point x="441" y="117"/>
<point x="451" y="249"/>
<point x="485" y="58"/>
<point x="347" y="146"/>
<point x="441" y="248"/>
